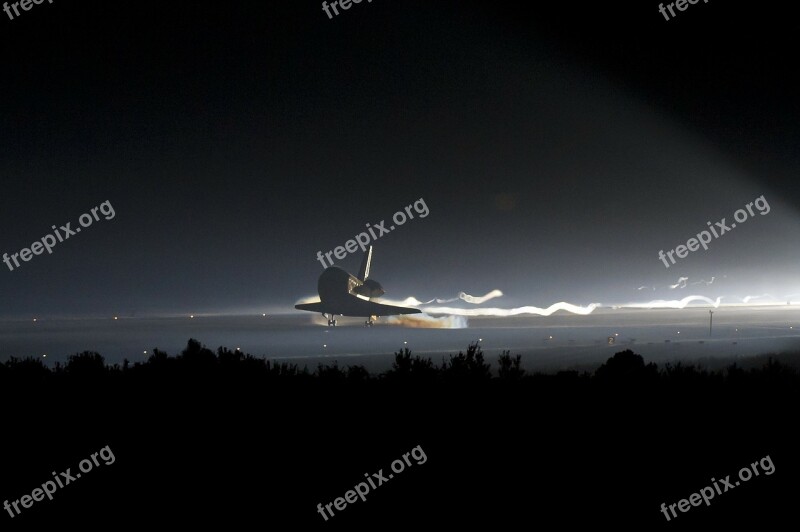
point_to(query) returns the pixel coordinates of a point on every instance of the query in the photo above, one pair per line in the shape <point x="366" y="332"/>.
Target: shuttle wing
<point x="357" y="307"/>
<point x="313" y="307"/>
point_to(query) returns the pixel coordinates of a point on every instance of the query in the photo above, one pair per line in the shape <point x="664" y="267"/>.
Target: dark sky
<point x="557" y="147"/>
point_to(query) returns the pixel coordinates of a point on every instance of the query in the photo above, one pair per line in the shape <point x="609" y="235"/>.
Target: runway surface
<point x="560" y="341"/>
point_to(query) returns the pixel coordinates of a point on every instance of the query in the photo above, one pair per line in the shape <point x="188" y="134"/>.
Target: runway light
<point x="34" y="319"/>
<point x="192" y="316"/>
<point x="616" y="334"/>
<point x="44" y="356"/>
<point x="679" y="332"/>
<point x="116" y="318"/>
<point x="324" y="345"/>
<point x="264" y="315"/>
<point x="551" y="337"/>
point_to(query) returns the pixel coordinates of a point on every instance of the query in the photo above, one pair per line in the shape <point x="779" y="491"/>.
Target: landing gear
<point x="330" y="318"/>
<point x="370" y="321"/>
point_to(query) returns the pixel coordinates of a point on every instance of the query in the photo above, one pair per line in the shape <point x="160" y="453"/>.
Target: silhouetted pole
<point x="710" y="321"/>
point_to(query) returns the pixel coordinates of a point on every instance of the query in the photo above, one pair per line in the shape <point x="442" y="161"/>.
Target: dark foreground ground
<point x="228" y="441"/>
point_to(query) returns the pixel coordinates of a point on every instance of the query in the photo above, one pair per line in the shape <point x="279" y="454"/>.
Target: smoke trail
<point x="750" y="298"/>
<point x="674" y="303"/>
<point x="514" y="311"/>
<point x="681" y="283"/>
<point x="478" y="300"/>
<point x="462" y="296"/>
<point x="416" y="321"/>
<point x="407" y="302"/>
<point x="422" y="321"/>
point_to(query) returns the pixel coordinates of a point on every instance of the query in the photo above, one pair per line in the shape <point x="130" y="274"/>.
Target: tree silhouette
<point x="469" y="366"/>
<point x="331" y="373"/>
<point x="158" y="358"/>
<point x="27" y="369"/>
<point x="510" y="367"/>
<point x="626" y="366"/>
<point x="87" y="364"/>
<point x="197" y="355"/>
<point x="405" y="367"/>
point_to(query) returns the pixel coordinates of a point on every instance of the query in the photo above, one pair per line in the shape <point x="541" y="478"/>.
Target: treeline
<point x="197" y="361"/>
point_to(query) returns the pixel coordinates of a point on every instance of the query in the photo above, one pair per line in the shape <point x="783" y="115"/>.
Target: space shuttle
<point x="344" y="294"/>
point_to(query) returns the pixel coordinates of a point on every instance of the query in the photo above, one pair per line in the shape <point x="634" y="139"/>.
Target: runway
<point x="558" y="342"/>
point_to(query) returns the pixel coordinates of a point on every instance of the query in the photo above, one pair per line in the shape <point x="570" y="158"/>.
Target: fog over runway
<point x="546" y="343"/>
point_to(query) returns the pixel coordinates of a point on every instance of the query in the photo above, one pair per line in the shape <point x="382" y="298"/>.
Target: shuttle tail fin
<point x="363" y="272"/>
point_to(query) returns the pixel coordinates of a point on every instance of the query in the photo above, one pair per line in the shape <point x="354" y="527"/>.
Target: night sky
<point x="557" y="147"/>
